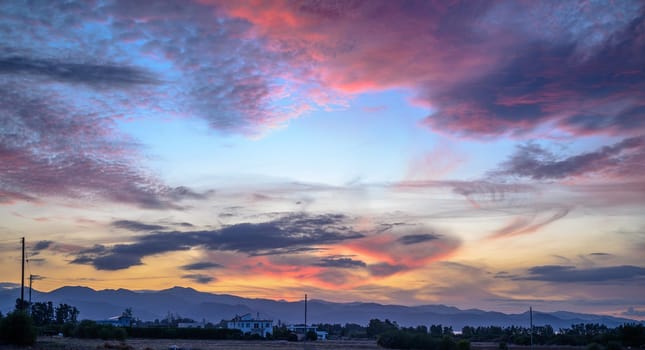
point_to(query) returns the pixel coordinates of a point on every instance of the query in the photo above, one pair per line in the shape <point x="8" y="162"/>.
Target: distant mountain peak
<point x="180" y="289"/>
<point x="190" y="303"/>
<point x="73" y="289"/>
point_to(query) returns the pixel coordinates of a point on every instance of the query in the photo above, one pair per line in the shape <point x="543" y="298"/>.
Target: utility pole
<point x="305" y="318"/>
<point x="22" y="279"/>
<point x="31" y="280"/>
<point x="531" y="318"/>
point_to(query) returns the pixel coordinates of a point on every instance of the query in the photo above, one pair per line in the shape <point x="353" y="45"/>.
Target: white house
<point x="117" y="321"/>
<point x="248" y="324"/>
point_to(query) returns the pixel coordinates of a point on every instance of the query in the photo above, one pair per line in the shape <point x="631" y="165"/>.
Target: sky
<point x="480" y="154"/>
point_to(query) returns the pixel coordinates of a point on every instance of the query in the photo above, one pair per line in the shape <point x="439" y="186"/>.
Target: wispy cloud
<point x="199" y="278"/>
<point x="49" y="149"/>
<point x="572" y="274"/>
<point x="529" y="224"/>
<point x="86" y="73"/>
<point x="41" y="245"/>
<point x="341" y="262"/>
<point x="136" y="226"/>
<point x="418" y="238"/>
<point x="534" y="162"/>
<point x="205" y="265"/>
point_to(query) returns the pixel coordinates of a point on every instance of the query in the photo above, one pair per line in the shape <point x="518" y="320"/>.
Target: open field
<point x="55" y="343"/>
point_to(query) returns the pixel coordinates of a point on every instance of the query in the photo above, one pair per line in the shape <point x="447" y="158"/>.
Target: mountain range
<point x="190" y="303"/>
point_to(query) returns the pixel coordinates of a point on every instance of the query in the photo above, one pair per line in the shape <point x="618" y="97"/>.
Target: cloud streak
<point x="571" y="274"/>
<point x="206" y="265"/>
<point x="525" y="225"/>
<point x="341" y="262"/>
<point x="136" y="226"/>
<point x="199" y="278"/>
<point x="531" y="161"/>
<point x="91" y="74"/>
<point x="287" y="234"/>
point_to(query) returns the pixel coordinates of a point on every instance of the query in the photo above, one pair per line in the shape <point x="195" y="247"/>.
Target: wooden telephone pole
<point x="22" y="279"/>
<point x="31" y="280"/>
<point x="531" y="318"/>
<point x="305" y="339"/>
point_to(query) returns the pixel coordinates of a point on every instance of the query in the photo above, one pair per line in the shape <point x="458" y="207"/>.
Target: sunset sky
<point x="481" y="154"/>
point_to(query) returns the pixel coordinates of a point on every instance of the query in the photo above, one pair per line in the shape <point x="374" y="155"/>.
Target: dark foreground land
<point x="59" y="343"/>
<point x="56" y="343"/>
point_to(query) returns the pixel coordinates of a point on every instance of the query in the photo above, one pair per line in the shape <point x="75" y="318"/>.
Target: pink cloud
<point x="487" y="69"/>
<point x="528" y="224"/>
<point x="402" y="249"/>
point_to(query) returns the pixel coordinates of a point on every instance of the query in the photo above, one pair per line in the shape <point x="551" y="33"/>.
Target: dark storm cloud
<point x="532" y="161"/>
<point x="341" y="262"/>
<point x="572" y="274"/>
<point x="91" y="74"/>
<point x="206" y="265"/>
<point x="96" y="249"/>
<point x="136" y="226"/>
<point x="115" y="262"/>
<point x="417" y="238"/>
<point x="288" y="234"/>
<point x="41" y="245"/>
<point x="199" y="278"/>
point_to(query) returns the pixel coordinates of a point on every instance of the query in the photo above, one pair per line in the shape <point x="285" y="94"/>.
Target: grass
<point x="56" y="343"/>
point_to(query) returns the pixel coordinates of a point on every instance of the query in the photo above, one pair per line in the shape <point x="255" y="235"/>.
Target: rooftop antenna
<point x="305" y="319"/>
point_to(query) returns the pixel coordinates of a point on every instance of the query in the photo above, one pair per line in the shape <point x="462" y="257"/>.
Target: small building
<point x="247" y="324"/>
<point x="117" y="321"/>
<point x="190" y="325"/>
<point x="301" y="330"/>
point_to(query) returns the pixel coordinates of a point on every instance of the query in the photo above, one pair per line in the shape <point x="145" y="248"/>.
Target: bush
<point x="93" y="330"/>
<point x="463" y="345"/>
<point x="18" y="329"/>
<point x="311" y="336"/>
<point x="398" y="339"/>
<point x="184" y="333"/>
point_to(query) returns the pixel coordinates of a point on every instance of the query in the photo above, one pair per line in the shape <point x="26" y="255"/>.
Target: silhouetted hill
<point x="188" y="302"/>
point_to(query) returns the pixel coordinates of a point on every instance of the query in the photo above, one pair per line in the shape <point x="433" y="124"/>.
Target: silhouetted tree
<point x="377" y="327"/>
<point x="66" y="313"/>
<point x="21" y="304"/>
<point x="42" y="313"/>
<point x="18" y="329"/>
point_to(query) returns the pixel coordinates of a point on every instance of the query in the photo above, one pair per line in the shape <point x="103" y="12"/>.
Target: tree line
<point x="437" y="337"/>
<point x="21" y="327"/>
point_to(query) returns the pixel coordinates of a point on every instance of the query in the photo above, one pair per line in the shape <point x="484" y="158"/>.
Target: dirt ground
<point x="59" y="343"/>
<point x="56" y="343"/>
